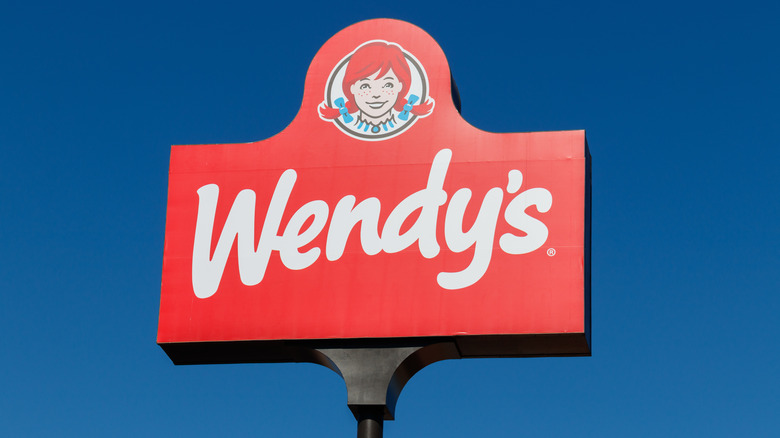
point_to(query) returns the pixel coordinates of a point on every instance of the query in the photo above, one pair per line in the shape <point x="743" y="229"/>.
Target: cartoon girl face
<point x="375" y="95"/>
<point x="376" y="92"/>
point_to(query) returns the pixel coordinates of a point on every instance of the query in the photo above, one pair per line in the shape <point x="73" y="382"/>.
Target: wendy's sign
<point x="378" y="214"/>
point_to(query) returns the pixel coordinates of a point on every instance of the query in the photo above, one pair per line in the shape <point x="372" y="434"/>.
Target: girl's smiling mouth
<point x="376" y="105"/>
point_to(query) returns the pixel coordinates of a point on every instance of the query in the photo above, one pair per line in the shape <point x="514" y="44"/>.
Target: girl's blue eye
<point x="389" y="85"/>
<point x="364" y="86"/>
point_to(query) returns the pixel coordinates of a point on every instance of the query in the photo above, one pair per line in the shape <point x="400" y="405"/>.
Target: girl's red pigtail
<point x="423" y="109"/>
<point x="330" y="113"/>
<point x="406" y="107"/>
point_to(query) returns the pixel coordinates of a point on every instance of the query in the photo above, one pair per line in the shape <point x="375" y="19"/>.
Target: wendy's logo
<point x="376" y="92"/>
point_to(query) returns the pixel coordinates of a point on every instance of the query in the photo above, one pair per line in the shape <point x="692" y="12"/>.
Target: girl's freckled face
<point x="375" y="96"/>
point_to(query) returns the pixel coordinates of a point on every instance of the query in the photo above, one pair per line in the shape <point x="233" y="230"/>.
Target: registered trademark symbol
<point x="551" y="252"/>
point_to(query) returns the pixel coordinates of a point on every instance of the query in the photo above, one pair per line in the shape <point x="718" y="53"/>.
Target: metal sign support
<point x="376" y="375"/>
<point x="370" y="421"/>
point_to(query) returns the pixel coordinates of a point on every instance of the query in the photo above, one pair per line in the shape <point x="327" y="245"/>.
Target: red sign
<point x="380" y="213"/>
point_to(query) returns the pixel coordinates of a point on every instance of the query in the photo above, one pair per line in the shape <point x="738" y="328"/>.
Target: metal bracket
<point x="375" y="375"/>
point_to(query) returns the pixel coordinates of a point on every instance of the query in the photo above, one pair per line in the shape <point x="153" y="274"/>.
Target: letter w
<point x="240" y="226"/>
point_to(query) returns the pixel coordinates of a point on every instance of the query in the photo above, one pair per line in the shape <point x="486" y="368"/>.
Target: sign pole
<point x="370" y="422"/>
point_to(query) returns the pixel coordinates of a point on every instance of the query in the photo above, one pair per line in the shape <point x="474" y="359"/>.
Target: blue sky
<point x="680" y="104"/>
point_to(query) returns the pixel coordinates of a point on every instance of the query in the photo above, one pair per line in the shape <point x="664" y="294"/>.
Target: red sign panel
<point x="379" y="213"/>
